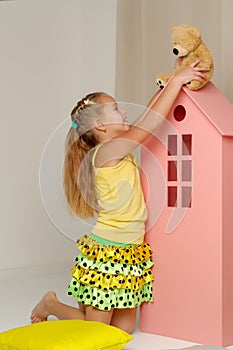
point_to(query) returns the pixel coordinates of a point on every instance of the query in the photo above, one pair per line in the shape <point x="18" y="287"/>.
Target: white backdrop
<point x="52" y="53"/>
<point x="144" y="46"/>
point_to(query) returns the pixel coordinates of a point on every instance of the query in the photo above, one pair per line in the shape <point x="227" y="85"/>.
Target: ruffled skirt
<point x="110" y="276"/>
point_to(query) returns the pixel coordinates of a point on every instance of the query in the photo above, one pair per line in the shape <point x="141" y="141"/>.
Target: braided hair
<point x="78" y="172"/>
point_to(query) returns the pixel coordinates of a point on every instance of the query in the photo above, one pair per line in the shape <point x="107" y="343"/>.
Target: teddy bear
<point x="188" y="47"/>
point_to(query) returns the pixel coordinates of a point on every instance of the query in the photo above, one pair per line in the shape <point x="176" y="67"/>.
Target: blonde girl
<point x="112" y="274"/>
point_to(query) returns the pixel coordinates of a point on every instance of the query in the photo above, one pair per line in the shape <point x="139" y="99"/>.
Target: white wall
<point x="52" y="53"/>
<point x="145" y="50"/>
<point x="226" y="48"/>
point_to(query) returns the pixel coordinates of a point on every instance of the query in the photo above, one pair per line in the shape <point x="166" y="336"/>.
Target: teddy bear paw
<point x="162" y="79"/>
<point x="194" y="85"/>
<point x="160" y="83"/>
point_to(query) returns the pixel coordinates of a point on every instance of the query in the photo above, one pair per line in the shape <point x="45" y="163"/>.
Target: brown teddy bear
<point x="188" y="47"/>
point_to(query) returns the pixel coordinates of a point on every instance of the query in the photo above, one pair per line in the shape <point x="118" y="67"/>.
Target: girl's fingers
<point x="200" y="76"/>
<point x="195" y="63"/>
<point x="200" y="72"/>
<point x="201" y="69"/>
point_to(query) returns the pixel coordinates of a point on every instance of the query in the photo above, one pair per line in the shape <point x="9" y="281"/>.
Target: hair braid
<point x="78" y="174"/>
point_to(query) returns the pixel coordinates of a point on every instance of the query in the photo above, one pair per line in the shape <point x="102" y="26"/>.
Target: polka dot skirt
<point x="111" y="276"/>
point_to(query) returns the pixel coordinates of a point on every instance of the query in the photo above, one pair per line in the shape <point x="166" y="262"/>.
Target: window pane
<point x="186" y="145"/>
<point x="179" y="113"/>
<point x="186" y="170"/>
<point x="171" y="196"/>
<point x="172" y="171"/>
<point x="172" y="145"/>
<point x="186" y="196"/>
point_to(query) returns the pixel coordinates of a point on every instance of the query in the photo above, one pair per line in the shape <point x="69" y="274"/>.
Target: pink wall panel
<point x="228" y="240"/>
<point x="187" y="242"/>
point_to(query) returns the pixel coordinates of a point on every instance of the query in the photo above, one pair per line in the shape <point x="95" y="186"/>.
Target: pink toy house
<point x="187" y="176"/>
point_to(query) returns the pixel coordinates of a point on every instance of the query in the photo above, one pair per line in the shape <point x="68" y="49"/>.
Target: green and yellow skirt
<point x="111" y="275"/>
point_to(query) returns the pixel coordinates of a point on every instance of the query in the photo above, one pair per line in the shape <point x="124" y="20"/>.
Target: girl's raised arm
<point x="157" y="109"/>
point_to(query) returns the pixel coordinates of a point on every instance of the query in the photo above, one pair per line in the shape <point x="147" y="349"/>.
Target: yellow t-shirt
<point x="123" y="210"/>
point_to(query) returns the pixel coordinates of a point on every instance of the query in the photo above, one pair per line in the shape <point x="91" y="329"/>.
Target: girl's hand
<point x="191" y="73"/>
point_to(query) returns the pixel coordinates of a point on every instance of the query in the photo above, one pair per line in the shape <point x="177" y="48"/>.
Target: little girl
<point x="112" y="275"/>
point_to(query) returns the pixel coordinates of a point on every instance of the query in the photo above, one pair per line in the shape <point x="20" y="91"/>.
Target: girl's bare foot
<point x="41" y="312"/>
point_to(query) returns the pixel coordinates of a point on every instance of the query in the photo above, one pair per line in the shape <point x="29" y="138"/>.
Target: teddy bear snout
<point x="179" y="51"/>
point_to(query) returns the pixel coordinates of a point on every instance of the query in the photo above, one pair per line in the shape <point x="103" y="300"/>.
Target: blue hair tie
<point x="74" y="125"/>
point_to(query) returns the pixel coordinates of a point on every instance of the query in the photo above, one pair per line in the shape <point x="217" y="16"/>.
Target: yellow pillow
<point x="68" y="335"/>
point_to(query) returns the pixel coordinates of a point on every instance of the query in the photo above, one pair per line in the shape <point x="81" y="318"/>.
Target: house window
<point x="172" y="196"/>
<point x="179" y="171"/>
<point x="186" y="145"/>
<point x="172" y="145"/>
<point x="186" y="196"/>
<point x="179" y="113"/>
<point x="172" y="170"/>
<point x="186" y="174"/>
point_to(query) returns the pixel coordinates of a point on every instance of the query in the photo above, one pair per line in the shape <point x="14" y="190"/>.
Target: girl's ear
<point x="99" y="125"/>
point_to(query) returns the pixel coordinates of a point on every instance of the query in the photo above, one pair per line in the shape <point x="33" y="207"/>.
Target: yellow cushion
<point x="68" y="335"/>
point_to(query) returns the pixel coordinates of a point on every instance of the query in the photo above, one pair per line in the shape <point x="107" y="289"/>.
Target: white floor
<point x="21" y="289"/>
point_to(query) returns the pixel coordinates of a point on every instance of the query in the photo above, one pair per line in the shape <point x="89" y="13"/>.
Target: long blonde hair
<point x="78" y="172"/>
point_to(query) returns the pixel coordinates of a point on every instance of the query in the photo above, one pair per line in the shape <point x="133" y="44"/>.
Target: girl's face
<point x="114" y="118"/>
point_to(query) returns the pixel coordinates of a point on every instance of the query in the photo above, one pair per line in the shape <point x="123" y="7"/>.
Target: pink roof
<point x="215" y="106"/>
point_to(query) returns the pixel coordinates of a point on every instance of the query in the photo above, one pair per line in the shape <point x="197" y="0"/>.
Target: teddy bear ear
<point x="195" y="31"/>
